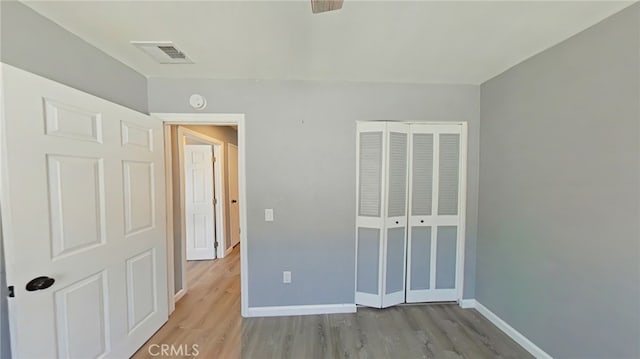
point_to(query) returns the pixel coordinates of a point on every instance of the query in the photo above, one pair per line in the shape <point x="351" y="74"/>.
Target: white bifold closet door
<point x="410" y="212"/>
<point x="382" y="177"/>
<point x="435" y="248"/>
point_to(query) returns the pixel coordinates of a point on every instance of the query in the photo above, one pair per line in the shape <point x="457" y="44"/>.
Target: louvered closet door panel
<point x="370" y="173"/>
<point x="449" y="171"/>
<point x="397" y="174"/>
<point x="396" y="214"/>
<point x="422" y="174"/>
<point x="370" y="233"/>
<point x="434" y="244"/>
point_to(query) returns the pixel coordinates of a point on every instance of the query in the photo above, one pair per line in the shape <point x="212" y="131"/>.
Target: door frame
<point x="218" y="180"/>
<point x="462" y="199"/>
<point x="214" y="119"/>
<point x="237" y="163"/>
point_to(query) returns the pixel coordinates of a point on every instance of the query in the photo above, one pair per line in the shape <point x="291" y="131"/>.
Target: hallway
<point x="208" y="315"/>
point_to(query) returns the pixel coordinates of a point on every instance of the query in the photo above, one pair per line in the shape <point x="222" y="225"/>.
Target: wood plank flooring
<point x="209" y="316"/>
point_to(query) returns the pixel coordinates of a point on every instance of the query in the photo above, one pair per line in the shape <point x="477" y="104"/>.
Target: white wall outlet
<point x="286" y="277"/>
<point x="268" y="215"/>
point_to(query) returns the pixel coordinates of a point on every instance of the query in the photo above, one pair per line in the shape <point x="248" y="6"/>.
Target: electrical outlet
<point x="268" y="215"/>
<point x="286" y="277"/>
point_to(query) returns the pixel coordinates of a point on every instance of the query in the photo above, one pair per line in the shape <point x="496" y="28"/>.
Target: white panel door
<point x="370" y="214"/>
<point x="234" y="204"/>
<point x="395" y="226"/>
<point x="436" y="212"/>
<point x="82" y="204"/>
<point x="199" y="202"/>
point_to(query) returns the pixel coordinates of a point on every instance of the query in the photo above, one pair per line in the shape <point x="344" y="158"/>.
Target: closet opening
<point x="410" y="220"/>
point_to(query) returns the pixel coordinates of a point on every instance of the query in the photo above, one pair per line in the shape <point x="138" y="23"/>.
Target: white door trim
<point x="230" y="212"/>
<point x="462" y="210"/>
<point x="168" y="175"/>
<point x="219" y="182"/>
<point x="223" y="119"/>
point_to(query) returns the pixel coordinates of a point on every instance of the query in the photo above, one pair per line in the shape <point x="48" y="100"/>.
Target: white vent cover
<point x="164" y="52"/>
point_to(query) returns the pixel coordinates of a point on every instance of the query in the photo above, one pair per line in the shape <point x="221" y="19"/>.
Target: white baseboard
<point x="506" y="328"/>
<point x="179" y="295"/>
<point x="228" y="251"/>
<point x="467" y="303"/>
<point x="282" y="311"/>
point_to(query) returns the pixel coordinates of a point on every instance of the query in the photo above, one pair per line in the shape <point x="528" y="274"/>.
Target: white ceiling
<point x="388" y="41"/>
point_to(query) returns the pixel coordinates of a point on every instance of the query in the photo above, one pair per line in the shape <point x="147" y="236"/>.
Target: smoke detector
<point x="164" y="52"/>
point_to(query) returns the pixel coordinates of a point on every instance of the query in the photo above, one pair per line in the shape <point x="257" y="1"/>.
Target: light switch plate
<point x="286" y="277"/>
<point x="268" y="215"/>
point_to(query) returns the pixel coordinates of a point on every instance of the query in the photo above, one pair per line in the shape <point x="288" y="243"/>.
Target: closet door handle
<point x="422" y="221"/>
<point x="397" y="222"/>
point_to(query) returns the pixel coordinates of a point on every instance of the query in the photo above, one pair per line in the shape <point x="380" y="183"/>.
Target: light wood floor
<point x="209" y="316"/>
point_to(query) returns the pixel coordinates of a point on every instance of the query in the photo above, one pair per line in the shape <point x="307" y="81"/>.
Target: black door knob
<point x="234" y="201"/>
<point x="39" y="283"/>
<point x="422" y="221"/>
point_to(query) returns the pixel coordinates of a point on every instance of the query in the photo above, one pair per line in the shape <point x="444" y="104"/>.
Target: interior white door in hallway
<point x="199" y="202"/>
<point x="83" y="213"/>
<point x="234" y="203"/>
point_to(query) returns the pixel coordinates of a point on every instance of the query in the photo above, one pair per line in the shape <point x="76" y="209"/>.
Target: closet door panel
<point x="422" y="174"/>
<point x="434" y="220"/>
<point x="370" y="229"/>
<point x="449" y="171"/>
<point x="397" y="174"/>
<point x="394" y="262"/>
<point x="370" y="174"/>
<point x="420" y="256"/>
<point x="446" y="257"/>
<point x="368" y="255"/>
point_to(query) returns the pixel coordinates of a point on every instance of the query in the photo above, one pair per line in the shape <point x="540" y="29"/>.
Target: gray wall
<point x="301" y="162"/>
<point x="558" y="252"/>
<point x="38" y="45"/>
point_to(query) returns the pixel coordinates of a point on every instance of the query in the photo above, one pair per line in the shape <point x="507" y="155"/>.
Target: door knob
<point x="234" y="201"/>
<point x="39" y="283"/>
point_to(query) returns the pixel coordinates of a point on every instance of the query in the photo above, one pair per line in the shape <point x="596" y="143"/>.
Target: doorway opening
<point x="205" y="202"/>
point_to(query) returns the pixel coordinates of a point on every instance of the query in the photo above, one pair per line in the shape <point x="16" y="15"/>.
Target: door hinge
<point x="213" y="159"/>
<point x="215" y="244"/>
<point x="215" y="201"/>
<point x="11" y="291"/>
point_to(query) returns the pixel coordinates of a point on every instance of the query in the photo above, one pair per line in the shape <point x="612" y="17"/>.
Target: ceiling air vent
<point x="164" y="52"/>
